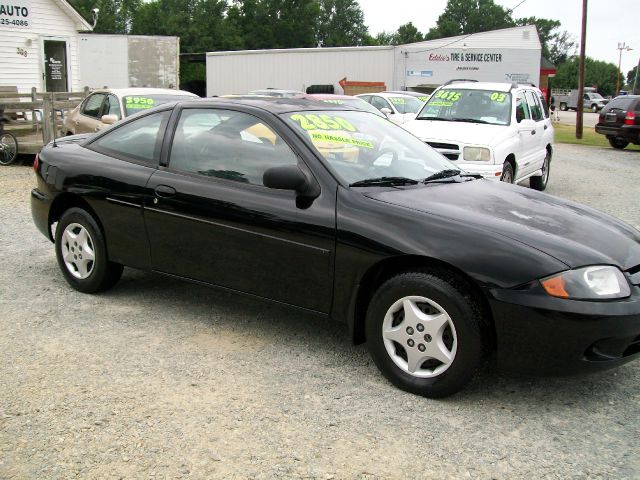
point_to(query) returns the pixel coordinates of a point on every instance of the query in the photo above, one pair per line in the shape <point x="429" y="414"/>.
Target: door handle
<point x="97" y="129"/>
<point x="165" y="191"/>
<point x="533" y="132"/>
<point x="545" y="127"/>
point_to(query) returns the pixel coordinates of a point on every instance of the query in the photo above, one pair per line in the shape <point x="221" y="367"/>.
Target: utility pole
<point x="583" y="39"/>
<point x="621" y="46"/>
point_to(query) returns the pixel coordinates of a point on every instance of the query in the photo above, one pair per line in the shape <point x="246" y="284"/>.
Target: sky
<point x="608" y="21"/>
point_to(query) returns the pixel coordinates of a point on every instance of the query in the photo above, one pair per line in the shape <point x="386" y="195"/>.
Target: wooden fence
<point x="37" y="116"/>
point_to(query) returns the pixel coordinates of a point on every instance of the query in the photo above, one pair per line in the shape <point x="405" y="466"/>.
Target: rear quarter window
<point x="621" y="104"/>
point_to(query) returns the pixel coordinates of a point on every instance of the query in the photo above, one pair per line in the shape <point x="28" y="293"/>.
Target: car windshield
<point x="594" y="96"/>
<point x="406" y="104"/>
<point x="135" y="103"/>
<point x="361" y="147"/>
<point x="476" y="106"/>
<point x="353" y="102"/>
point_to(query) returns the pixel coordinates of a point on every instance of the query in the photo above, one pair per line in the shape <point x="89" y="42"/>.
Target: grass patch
<point x="567" y="134"/>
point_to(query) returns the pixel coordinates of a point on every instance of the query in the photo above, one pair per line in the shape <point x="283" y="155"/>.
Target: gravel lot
<point x="163" y="379"/>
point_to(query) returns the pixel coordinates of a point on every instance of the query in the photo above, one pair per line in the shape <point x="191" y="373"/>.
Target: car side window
<point x="139" y="140"/>
<point x="380" y="103"/>
<point x="227" y="144"/>
<point x="522" y="109"/>
<point x="112" y="107"/>
<point x="92" y="105"/>
<point x="545" y="107"/>
<point x="534" y="107"/>
<point x="366" y="98"/>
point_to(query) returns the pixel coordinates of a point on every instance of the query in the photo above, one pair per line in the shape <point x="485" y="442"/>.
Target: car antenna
<point x="53" y="118"/>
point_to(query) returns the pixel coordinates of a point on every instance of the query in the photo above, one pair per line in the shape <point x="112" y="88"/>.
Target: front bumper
<point x="487" y="170"/>
<point x="539" y="334"/>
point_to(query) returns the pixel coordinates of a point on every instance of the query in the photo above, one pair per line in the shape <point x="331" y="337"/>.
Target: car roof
<point x="389" y="94"/>
<point x="329" y="96"/>
<point x="411" y="94"/>
<point x="124" y="92"/>
<point x="271" y="104"/>
<point x="275" y="90"/>
<point x="494" y="86"/>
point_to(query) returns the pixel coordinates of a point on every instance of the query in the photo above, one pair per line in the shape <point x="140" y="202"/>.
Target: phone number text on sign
<point x="16" y="14"/>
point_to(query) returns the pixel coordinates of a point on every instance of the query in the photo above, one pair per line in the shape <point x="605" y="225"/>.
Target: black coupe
<point x="341" y="213"/>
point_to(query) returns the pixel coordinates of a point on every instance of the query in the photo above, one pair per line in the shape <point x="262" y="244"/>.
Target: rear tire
<point x="426" y="334"/>
<point x="617" y="142"/>
<point x="82" y="253"/>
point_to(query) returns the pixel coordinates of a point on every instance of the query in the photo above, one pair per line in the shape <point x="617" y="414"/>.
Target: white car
<point x="398" y="107"/>
<point x="498" y="130"/>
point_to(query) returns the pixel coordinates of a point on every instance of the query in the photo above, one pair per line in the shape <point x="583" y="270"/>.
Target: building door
<point x="55" y="66"/>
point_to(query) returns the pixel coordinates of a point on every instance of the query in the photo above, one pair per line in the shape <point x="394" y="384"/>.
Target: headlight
<point x="476" y="154"/>
<point x="589" y="283"/>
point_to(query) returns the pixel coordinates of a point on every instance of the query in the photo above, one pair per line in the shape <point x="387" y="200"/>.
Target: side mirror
<point x="386" y="111"/>
<point x="289" y="177"/>
<point x="109" y="119"/>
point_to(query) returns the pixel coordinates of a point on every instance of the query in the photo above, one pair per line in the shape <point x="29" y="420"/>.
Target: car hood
<point x="572" y="233"/>
<point x="464" y="132"/>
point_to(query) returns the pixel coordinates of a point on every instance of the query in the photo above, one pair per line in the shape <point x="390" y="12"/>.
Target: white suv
<point x="499" y="130"/>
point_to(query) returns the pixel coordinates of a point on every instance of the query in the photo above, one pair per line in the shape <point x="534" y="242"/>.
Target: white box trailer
<point x="122" y="61"/>
<point x="296" y="69"/>
<point x="508" y="55"/>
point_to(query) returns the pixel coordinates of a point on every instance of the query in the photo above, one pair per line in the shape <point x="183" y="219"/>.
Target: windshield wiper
<point x="369" y="182"/>
<point x="448" y="173"/>
<point x="470" y="120"/>
<point x="442" y="119"/>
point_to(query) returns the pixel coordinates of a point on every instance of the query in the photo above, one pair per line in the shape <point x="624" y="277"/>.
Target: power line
<point x="512" y="9"/>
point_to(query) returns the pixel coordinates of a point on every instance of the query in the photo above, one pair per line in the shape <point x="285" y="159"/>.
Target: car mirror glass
<point x="386" y="111"/>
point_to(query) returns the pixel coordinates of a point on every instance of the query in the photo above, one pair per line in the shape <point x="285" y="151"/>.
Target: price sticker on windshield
<point x="448" y="95"/>
<point x="498" y="97"/>
<point x="397" y="101"/>
<point x="322" y="122"/>
<point x="139" y="102"/>
<point x="319" y="137"/>
<point x="337" y="102"/>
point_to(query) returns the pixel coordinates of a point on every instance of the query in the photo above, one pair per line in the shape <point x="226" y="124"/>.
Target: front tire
<point x="617" y="142"/>
<point x="82" y="254"/>
<point x="507" y="173"/>
<point x="563" y="107"/>
<point x="594" y="108"/>
<point x="425" y="333"/>
<point x="540" y="183"/>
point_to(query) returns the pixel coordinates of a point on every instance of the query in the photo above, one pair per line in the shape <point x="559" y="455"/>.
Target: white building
<point x="511" y="54"/>
<point x="129" y="61"/>
<point x="39" y="45"/>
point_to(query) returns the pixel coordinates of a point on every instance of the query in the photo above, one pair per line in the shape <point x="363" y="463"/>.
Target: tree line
<point x="211" y="25"/>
